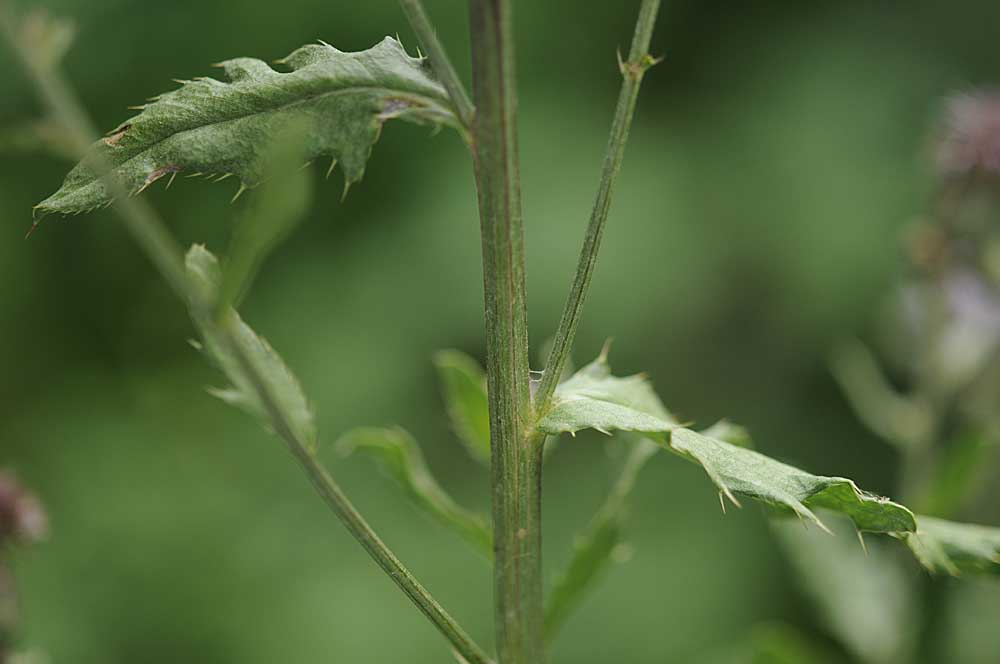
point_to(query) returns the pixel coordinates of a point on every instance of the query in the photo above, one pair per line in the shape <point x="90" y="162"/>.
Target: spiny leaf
<point x="955" y="548"/>
<point x="213" y="127"/>
<point x="594" y="399"/>
<point x="282" y="386"/>
<point x="399" y="455"/>
<point x="736" y="470"/>
<point x="463" y="382"/>
<point x="595" y="548"/>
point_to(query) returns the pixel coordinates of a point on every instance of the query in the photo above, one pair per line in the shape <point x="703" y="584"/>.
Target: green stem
<point x="421" y="24"/>
<point x="341" y="506"/>
<point x="632" y="71"/>
<point x="516" y="454"/>
<point x="151" y="234"/>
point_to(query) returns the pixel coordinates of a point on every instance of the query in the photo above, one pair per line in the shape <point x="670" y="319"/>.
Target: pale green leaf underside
<point x="594" y="399"/>
<point x="281" y="384"/>
<point x="955" y="548"/>
<point x="463" y="383"/>
<point x="213" y="127"/>
<point x="399" y="456"/>
<point x="740" y="471"/>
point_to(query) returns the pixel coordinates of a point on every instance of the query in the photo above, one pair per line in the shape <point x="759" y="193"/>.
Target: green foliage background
<point x="776" y="156"/>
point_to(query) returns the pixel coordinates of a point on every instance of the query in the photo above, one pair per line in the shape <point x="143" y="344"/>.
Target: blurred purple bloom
<point x="21" y="514"/>
<point x="971" y="140"/>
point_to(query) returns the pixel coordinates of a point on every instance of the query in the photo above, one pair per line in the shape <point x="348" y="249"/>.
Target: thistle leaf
<point x="737" y="470"/>
<point x="399" y="456"/>
<point x="594" y="399"/>
<point x="213" y="127"/>
<point x="281" y="384"/>
<point x="955" y="548"/>
<point x="463" y="383"/>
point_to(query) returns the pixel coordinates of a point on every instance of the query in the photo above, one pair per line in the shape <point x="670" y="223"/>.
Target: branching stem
<point x="151" y="234"/>
<point x="632" y="71"/>
<point x="421" y="24"/>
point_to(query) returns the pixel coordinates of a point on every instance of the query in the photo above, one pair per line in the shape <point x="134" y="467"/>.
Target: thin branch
<point x="421" y="24"/>
<point x="151" y="234"/>
<point x="338" y="502"/>
<point x="632" y="71"/>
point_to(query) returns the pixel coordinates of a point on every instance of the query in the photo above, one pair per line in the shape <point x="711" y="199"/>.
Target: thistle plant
<point x="257" y="124"/>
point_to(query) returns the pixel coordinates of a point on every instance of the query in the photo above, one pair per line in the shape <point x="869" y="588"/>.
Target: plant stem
<point x="151" y="234"/>
<point x="338" y="502"/>
<point x="516" y="454"/>
<point x="632" y="71"/>
<point x="421" y="24"/>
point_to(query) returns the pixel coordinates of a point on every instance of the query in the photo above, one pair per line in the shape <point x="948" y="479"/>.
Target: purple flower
<point x="971" y="140"/>
<point x="21" y="514"/>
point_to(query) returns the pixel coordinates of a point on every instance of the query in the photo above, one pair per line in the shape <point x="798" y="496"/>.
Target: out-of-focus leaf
<point x="277" y="206"/>
<point x="898" y="420"/>
<point x="736" y="470"/>
<point x="400" y="457"/>
<point x="731" y="433"/>
<point x="778" y="643"/>
<point x="282" y="386"/>
<point x="771" y="643"/>
<point x="959" y="473"/>
<point x="594" y="399"/>
<point x="43" y="38"/>
<point x="595" y="548"/>
<point x="862" y="595"/>
<point x="213" y="127"/>
<point x="37" y="137"/>
<point x="463" y="383"/>
<point x="947" y="547"/>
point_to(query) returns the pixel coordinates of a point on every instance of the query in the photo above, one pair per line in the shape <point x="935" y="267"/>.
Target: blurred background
<point x="777" y="156"/>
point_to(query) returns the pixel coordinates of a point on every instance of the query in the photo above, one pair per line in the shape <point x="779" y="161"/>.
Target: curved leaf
<point x="737" y="470"/>
<point x="953" y="548"/>
<point x="463" y="383"/>
<point x="400" y="457"/>
<point x="213" y="127"/>
<point x="281" y="384"/>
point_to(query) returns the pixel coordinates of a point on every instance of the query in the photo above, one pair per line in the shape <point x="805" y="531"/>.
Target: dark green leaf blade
<point x="737" y="470"/>
<point x="281" y="384"/>
<point x="399" y="456"/>
<point x="955" y="548"/>
<point x="463" y="383"/>
<point x="213" y="127"/>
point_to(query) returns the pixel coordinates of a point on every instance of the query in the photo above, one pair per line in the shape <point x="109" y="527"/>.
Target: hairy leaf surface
<point x="463" y="383"/>
<point x="214" y="127"/>
<point x="737" y="470"/>
<point x="953" y="548"/>
<point x="594" y="399"/>
<point x="281" y="384"/>
<point x="400" y="457"/>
